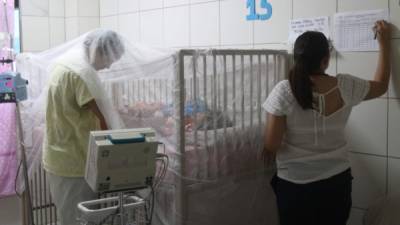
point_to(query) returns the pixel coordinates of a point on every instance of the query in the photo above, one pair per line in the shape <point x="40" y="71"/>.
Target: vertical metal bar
<point x="225" y="100"/>
<point x="51" y="207"/>
<point x="243" y="94"/>
<point x="194" y="94"/>
<point x="214" y="111"/>
<point x="180" y="140"/>
<point x="206" y="109"/>
<point x="234" y="99"/>
<point x="36" y="197"/>
<point x="33" y="191"/>
<point x="259" y="92"/>
<point x="45" y="196"/>
<point x="234" y="89"/>
<point x="55" y="214"/>
<point x="159" y="90"/>
<point x="40" y="195"/>
<point x="275" y="70"/>
<point x="251" y="90"/>
<point x="267" y="76"/>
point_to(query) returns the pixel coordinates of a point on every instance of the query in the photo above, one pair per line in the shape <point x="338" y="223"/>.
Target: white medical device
<point x="121" y="159"/>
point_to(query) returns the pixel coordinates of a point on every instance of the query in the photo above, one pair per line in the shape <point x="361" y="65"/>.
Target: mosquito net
<point x="205" y="106"/>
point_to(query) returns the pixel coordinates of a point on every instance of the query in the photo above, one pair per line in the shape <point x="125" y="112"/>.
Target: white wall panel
<point x="88" y="23"/>
<point x="369" y="182"/>
<point x="57" y="8"/>
<point x="394" y="128"/>
<point x="151" y="27"/>
<point x="302" y="9"/>
<point x="394" y="174"/>
<point x="234" y="28"/>
<point x="128" y="6"/>
<point x="35" y="8"/>
<point x="176" y="26"/>
<point x="89" y="8"/>
<point x="355" y="5"/>
<point x="35" y="33"/>
<point x="129" y="26"/>
<point x="204" y="24"/>
<point x="366" y="130"/>
<point x="274" y="30"/>
<point x="57" y="31"/>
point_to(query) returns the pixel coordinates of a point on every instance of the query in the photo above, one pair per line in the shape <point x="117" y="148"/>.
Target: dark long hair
<point x="310" y="49"/>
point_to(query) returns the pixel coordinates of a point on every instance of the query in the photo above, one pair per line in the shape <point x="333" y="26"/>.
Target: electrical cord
<point x="16" y="180"/>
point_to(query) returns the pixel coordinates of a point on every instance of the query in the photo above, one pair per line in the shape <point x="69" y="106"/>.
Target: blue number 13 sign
<point x="264" y="4"/>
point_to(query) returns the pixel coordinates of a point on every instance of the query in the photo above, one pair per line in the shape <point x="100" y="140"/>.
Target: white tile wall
<point x="109" y="22"/>
<point x="356" y="217"/>
<point x="395" y="16"/>
<point x="354" y="5"/>
<point x="394" y="88"/>
<point x="10" y="211"/>
<point x="366" y="130"/>
<point x="301" y="8"/>
<point x="368" y="60"/>
<point x="235" y="47"/>
<point x="57" y="8"/>
<point x="176" y="26"/>
<point x="394" y="171"/>
<point x="394" y="128"/>
<point x="169" y="3"/>
<point x="71" y="28"/>
<point x="35" y="33"/>
<point x="204" y="24"/>
<point x="108" y="7"/>
<point x="369" y="182"/>
<point x="71" y="8"/>
<point x="129" y="26"/>
<point x="128" y="6"/>
<point x="88" y="23"/>
<point x="151" y="27"/>
<point x="57" y="31"/>
<point x="235" y="29"/>
<point x="153" y="4"/>
<point x="89" y="8"/>
<point x="274" y="30"/>
<point x="272" y="46"/>
<point x="35" y="8"/>
<point x="201" y="1"/>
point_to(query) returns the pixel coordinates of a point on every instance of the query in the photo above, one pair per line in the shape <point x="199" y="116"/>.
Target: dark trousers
<point x="324" y="202"/>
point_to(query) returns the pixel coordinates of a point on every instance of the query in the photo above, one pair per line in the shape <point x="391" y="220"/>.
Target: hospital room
<point x="199" y="112"/>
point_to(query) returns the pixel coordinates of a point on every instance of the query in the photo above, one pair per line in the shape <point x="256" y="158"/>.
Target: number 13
<point x="253" y="14"/>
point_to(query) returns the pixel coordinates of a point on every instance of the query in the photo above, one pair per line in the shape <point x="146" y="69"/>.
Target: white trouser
<point x="66" y="193"/>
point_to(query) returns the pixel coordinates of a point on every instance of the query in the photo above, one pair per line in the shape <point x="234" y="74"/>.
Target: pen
<point x="375" y="33"/>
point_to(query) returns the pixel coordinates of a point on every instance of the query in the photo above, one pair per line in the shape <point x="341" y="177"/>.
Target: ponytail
<point x="309" y="50"/>
<point x="301" y="85"/>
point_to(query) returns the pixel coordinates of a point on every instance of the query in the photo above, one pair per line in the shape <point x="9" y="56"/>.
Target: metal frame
<point x="212" y="82"/>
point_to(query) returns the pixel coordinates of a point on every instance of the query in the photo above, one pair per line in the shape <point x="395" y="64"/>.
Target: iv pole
<point x="27" y="216"/>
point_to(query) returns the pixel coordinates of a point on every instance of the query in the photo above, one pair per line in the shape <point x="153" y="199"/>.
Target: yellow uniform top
<point x="68" y="123"/>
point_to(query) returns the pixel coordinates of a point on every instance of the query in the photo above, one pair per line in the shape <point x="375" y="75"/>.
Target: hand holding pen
<point x="382" y="32"/>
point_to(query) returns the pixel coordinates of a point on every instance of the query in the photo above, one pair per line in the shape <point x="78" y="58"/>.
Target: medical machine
<point x="12" y="87"/>
<point x="121" y="159"/>
<point x="13" y="90"/>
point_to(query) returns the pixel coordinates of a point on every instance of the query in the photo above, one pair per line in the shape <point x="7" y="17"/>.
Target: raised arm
<point x="379" y="85"/>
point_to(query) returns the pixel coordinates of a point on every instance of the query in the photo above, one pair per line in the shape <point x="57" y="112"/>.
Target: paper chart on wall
<point x="354" y="30"/>
<point x="299" y="26"/>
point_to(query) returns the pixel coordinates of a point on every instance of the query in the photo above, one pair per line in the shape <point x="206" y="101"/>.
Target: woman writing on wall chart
<point x="307" y="115"/>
